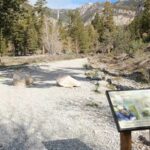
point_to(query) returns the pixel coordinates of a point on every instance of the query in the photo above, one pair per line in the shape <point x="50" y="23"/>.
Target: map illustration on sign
<point x="131" y="109"/>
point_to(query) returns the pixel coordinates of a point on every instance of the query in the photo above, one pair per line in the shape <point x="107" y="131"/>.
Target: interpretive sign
<point x="131" y="109"/>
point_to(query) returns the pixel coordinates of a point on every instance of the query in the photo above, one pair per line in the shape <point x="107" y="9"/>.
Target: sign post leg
<point x="125" y="140"/>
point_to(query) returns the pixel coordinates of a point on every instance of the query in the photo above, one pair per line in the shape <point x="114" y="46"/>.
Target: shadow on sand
<point x="68" y="144"/>
<point x="14" y="136"/>
<point x="45" y="77"/>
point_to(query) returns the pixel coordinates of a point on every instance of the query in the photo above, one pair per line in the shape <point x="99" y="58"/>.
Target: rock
<point x="103" y="83"/>
<point x="22" y="79"/>
<point x="139" y="76"/>
<point x="95" y="75"/>
<point x="68" y="82"/>
<point x="18" y="80"/>
<point x="122" y="87"/>
<point x="101" y="86"/>
<point x="109" y="81"/>
<point x="29" y="80"/>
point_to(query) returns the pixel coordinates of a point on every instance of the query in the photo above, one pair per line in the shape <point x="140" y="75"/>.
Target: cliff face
<point x="122" y="15"/>
<point x="130" y="4"/>
<point x="124" y="12"/>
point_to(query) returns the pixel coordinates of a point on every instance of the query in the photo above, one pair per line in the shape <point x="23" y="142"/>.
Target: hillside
<point x="62" y="14"/>
<point x="130" y="4"/>
<point x="124" y="12"/>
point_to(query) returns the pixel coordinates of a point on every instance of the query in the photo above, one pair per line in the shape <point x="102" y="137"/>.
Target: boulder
<point x="68" y="82"/>
<point x="18" y="80"/>
<point x="22" y="79"/>
<point x="29" y="80"/>
<point x="20" y="83"/>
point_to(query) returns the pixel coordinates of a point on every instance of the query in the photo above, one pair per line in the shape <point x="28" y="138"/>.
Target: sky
<point x="57" y="4"/>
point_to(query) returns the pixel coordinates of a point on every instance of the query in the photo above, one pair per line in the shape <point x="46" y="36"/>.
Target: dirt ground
<point x="47" y="117"/>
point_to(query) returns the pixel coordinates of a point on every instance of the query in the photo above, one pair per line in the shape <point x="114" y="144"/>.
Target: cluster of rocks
<point x="23" y="78"/>
<point x="102" y="81"/>
<point x="124" y="72"/>
<point x="131" y="67"/>
<point x="141" y="143"/>
<point x="95" y="74"/>
<point x="105" y="81"/>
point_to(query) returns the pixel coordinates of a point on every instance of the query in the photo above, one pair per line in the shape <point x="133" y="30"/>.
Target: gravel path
<point x="48" y="117"/>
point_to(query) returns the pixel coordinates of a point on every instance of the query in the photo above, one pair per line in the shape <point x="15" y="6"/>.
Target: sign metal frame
<point x="114" y="113"/>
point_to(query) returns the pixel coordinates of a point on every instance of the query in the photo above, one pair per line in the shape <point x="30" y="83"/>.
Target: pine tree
<point x="105" y="22"/>
<point x="40" y="7"/>
<point x="24" y="35"/>
<point x="65" y="38"/>
<point x="3" y="44"/>
<point x="93" y="38"/>
<point x="31" y="38"/>
<point x="108" y="16"/>
<point x="13" y="24"/>
<point x="145" y="21"/>
<point x="135" y="27"/>
<point x="9" y="13"/>
<point x="40" y="10"/>
<point x="78" y="33"/>
<point x="140" y="26"/>
<point x="98" y="24"/>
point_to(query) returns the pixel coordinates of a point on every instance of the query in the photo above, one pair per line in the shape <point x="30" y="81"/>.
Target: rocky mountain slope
<point x="124" y="11"/>
<point x="129" y="4"/>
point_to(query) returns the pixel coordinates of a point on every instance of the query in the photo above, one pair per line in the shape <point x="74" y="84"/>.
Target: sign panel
<point x="131" y="109"/>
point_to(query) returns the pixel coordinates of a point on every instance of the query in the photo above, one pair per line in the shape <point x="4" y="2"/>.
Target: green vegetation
<point x="146" y="112"/>
<point x="133" y="109"/>
<point x="140" y="27"/>
<point x="26" y="29"/>
<point x="92" y="104"/>
<point x="97" y="88"/>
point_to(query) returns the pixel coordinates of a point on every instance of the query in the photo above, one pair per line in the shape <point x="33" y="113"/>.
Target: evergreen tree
<point x="140" y="27"/>
<point x="98" y="24"/>
<point x="64" y="35"/>
<point x="24" y="34"/>
<point x="78" y="33"/>
<point x="145" y="21"/>
<point x="108" y="16"/>
<point x="3" y="44"/>
<point x="9" y="12"/>
<point x="40" y="10"/>
<point x="18" y="32"/>
<point x="135" y="27"/>
<point x="105" y="22"/>
<point x="13" y="25"/>
<point x="31" y="34"/>
<point x="40" y="7"/>
<point x="93" y="38"/>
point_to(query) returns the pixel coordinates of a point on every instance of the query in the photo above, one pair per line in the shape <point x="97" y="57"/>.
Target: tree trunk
<point x="76" y="47"/>
<point x="43" y="50"/>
